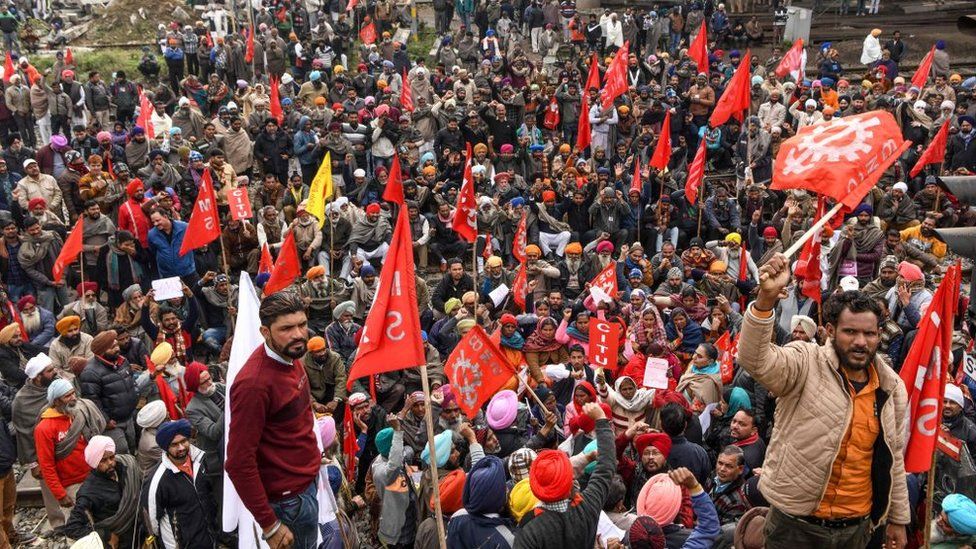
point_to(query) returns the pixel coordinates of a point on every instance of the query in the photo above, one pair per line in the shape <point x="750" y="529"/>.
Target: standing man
<point x="108" y="381"/>
<point x="30" y="401"/>
<point x="272" y="456"/>
<point x="205" y="411"/>
<point x="844" y="396"/>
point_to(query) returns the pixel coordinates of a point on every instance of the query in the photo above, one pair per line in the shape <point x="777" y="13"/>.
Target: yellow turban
<point x="493" y="261"/>
<point x="532" y="249"/>
<point x="875" y="32"/>
<point x="8" y="332"/>
<point x="429" y="170"/>
<point x="162" y="354"/>
<point x="465" y="324"/>
<point x="68" y="323"/>
<point x="574" y="248"/>
<point x="734" y="237"/>
<point x="315" y="272"/>
<point x="316" y="343"/>
<point x="481" y="148"/>
<point x="521" y="500"/>
<point x="717" y="267"/>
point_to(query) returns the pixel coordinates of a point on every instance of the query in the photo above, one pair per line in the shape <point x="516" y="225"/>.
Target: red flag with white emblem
<point x="477" y="369"/>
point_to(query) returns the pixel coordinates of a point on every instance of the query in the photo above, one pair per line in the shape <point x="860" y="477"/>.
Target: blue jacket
<point x="167" y="250"/>
<point x="47" y="333"/>
<point x="300" y="140"/>
<point x="707" y="527"/>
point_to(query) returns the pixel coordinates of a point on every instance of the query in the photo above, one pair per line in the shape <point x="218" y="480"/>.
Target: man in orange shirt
<point x="834" y="470"/>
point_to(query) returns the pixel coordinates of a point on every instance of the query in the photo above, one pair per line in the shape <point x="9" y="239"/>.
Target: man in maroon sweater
<point x="272" y="456"/>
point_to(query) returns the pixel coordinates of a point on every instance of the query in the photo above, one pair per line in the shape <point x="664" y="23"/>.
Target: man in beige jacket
<point x="834" y="470"/>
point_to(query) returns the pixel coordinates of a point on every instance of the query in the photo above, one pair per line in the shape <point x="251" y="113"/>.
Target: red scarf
<point x="747" y="441"/>
<point x="174" y="405"/>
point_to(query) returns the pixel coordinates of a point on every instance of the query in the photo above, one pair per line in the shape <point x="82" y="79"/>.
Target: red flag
<point x="367" y="34"/>
<point x="696" y="174"/>
<point x="249" y="50"/>
<point x="736" y="97"/>
<point x="583" y="135"/>
<point x="204" y="225"/>
<point x="593" y="78"/>
<point x="935" y="152"/>
<point x="8" y="68"/>
<point x="604" y="344"/>
<point x="616" y="79"/>
<point x="266" y="263"/>
<point x="145" y="116"/>
<point x="350" y="446"/>
<point x="488" y="251"/>
<point x="476" y="369"/>
<point x="662" y="152"/>
<point x="698" y="50"/>
<point x="635" y="180"/>
<point x="111" y="171"/>
<point x="520" y="287"/>
<point x="394" y="183"/>
<point x="921" y="76"/>
<point x="391" y="335"/>
<point x="792" y="62"/>
<point x="465" y="222"/>
<point x="351" y="5"/>
<point x="275" y="106"/>
<point x="807" y="270"/>
<point x="551" y="119"/>
<point x="518" y="243"/>
<point x="743" y="272"/>
<point x="70" y="250"/>
<point x="924" y="373"/>
<point x="728" y="351"/>
<point x="843" y="159"/>
<point x="69" y="58"/>
<point x="606" y="280"/>
<point x="406" y="95"/>
<point x="240" y="204"/>
<point x="286" y="269"/>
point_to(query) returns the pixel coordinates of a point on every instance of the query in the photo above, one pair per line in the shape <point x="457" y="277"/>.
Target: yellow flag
<point x="321" y="190"/>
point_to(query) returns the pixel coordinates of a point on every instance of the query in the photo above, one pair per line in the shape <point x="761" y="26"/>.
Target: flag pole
<point x="434" y="480"/>
<point x="474" y="262"/>
<point x="809" y="234"/>
<point x="929" y="497"/>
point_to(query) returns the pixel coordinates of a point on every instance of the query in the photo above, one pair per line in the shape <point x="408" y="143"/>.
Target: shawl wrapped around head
<point x="540" y="343"/>
<point x="642" y="398"/>
<point x="365" y="231"/>
<point x="35" y="248"/>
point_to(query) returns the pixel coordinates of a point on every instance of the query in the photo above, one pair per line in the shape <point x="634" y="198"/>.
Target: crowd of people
<point x="113" y="368"/>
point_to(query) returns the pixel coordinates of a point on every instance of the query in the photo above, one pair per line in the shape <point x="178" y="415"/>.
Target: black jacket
<point x="111" y="387"/>
<point x="447" y="288"/>
<point x="100" y="496"/>
<point x="8" y="446"/>
<point x="10" y="369"/>
<point x="181" y="511"/>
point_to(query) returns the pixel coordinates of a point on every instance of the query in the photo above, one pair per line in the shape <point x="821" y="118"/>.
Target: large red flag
<point x="604" y="344"/>
<point x="698" y="50"/>
<point x="520" y="287"/>
<point x="583" y="134"/>
<point x="8" y="68"/>
<point x="807" y="270"/>
<point x="662" y="152"/>
<point x="476" y="369"/>
<point x="69" y="58"/>
<point x="367" y="34"/>
<point x="70" y="250"/>
<point x="406" y="95"/>
<point x="736" y="97"/>
<point x="145" y="115"/>
<point x="924" y="373"/>
<point x="792" y="62"/>
<point x="843" y="159"/>
<point x="266" y="263"/>
<point x="391" y="335"/>
<point x="696" y="174"/>
<point x="276" y="112"/>
<point x="935" y="152"/>
<point x="518" y="243"/>
<point x="394" y="183"/>
<point x="287" y="268"/>
<point x="606" y="280"/>
<point x="728" y="351"/>
<point x="593" y="78"/>
<point x="204" y="225"/>
<point x="635" y="179"/>
<point x="616" y="78"/>
<point x="921" y="76"/>
<point x="465" y="222"/>
<point x="350" y="446"/>
<point x="249" y="50"/>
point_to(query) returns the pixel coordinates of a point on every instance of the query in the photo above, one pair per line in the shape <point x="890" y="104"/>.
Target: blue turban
<point x="591" y="446"/>
<point x="635" y="273"/>
<point x="367" y="270"/>
<point x="517" y="201"/>
<point x="864" y="208"/>
<point x="443" y="444"/>
<point x="427" y="156"/>
<point x="57" y="389"/>
<point x="967" y="118"/>
<point x="137" y="130"/>
<point x="825" y="46"/>
<point x="484" y="487"/>
<point x="384" y="441"/>
<point x="536" y="148"/>
<point x="314" y="76"/>
<point x="940" y="44"/>
<point x="603" y="170"/>
<point x="961" y="512"/>
<point x="423" y="335"/>
<point x="168" y="431"/>
<point x="286" y="101"/>
<point x="827" y="82"/>
<point x="734" y="53"/>
<point x="154" y="153"/>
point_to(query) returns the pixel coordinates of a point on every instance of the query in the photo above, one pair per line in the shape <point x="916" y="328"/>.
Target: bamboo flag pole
<point x="791" y="251"/>
<point x="434" y="480"/>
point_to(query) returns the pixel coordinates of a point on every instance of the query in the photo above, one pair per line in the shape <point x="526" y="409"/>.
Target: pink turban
<point x="103" y="136"/>
<point x="660" y="499"/>
<point x="910" y="271"/>
<point x="95" y="451"/>
<point x="327" y="430"/>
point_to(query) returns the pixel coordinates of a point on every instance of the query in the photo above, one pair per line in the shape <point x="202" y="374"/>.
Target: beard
<point x="573" y="264"/>
<point x="209" y="390"/>
<point x="927" y="232"/>
<point x="449" y="425"/>
<point x="604" y="260"/>
<point x="111" y="357"/>
<point x="71" y="341"/>
<point x="854" y="358"/>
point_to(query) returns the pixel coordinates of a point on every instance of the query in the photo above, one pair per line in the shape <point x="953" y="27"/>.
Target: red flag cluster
<point x="924" y="373"/>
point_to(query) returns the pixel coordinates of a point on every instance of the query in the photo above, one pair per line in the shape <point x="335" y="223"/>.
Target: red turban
<point x="25" y="301"/>
<point x="587" y="424"/>
<point x="373" y="209"/>
<point x="508" y="318"/>
<point x="770" y="232"/>
<point x="551" y="476"/>
<point x="660" y="441"/>
<point x="548" y="196"/>
<point x="452" y="490"/>
<point x="36" y="203"/>
<point x="133" y="187"/>
<point x="191" y="377"/>
<point x="86" y="287"/>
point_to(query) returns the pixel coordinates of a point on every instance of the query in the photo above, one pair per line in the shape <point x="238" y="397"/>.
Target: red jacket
<point x="134" y="220"/>
<point x="66" y="472"/>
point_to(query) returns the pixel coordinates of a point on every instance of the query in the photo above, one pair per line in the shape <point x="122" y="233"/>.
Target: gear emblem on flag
<point x="846" y="140"/>
<point x="468" y="378"/>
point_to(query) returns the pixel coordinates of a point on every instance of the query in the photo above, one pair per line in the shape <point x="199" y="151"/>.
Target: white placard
<point x="499" y="294"/>
<point x="705" y="418"/>
<point x="606" y="529"/>
<point x="167" y="288"/>
<point x="656" y="373"/>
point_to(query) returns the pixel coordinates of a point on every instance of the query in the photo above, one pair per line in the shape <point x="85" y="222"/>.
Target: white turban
<point x="152" y="414"/>
<point x="954" y="393"/>
<point x="805" y="323"/>
<point x="37" y="365"/>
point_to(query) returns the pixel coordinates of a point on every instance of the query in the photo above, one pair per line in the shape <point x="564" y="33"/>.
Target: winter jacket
<point x="112" y="388"/>
<point x="181" y="510"/>
<point x="8" y="446"/>
<point x="59" y="474"/>
<point x="206" y="414"/>
<point x="167" y="250"/>
<point x="816" y="404"/>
